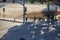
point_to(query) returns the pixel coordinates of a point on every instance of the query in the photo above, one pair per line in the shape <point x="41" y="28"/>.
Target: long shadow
<point x="28" y="31"/>
<point x="16" y="32"/>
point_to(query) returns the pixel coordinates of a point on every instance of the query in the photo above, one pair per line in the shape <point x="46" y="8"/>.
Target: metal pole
<point x="13" y="1"/>
<point x="48" y="6"/>
<point x="24" y="11"/>
<point x="48" y="15"/>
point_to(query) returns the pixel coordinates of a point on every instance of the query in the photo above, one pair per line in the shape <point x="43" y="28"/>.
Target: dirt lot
<point x="36" y="14"/>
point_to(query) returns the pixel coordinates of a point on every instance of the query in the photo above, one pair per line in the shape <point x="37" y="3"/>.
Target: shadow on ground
<point x="29" y="31"/>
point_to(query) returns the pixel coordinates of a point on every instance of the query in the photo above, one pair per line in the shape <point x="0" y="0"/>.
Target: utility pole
<point x="13" y="1"/>
<point x="48" y="6"/>
<point x="50" y="12"/>
<point x="24" y="12"/>
<point x="48" y="9"/>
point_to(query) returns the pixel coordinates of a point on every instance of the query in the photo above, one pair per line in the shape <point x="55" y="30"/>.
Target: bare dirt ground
<point x="36" y="14"/>
<point x="15" y="11"/>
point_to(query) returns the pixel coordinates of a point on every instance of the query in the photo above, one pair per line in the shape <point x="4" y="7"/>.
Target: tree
<point x="40" y="1"/>
<point x="31" y="1"/>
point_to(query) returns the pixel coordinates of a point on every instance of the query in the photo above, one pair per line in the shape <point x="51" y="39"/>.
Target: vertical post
<point x="13" y="1"/>
<point x="55" y="13"/>
<point x="34" y="19"/>
<point x="4" y="12"/>
<point x="26" y="19"/>
<point x="48" y="6"/>
<point x="39" y="19"/>
<point x="48" y="11"/>
<point x="24" y="11"/>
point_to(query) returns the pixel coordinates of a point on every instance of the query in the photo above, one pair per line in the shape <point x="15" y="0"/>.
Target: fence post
<point x="26" y="19"/>
<point x="4" y="12"/>
<point x="34" y="19"/>
<point x="39" y="19"/>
